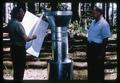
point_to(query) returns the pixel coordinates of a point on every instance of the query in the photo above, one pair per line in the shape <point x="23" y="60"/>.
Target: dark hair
<point x="15" y="11"/>
<point x="98" y="9"/>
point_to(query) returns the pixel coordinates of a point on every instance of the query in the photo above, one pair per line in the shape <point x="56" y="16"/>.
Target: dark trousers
<point x="18" y="54"/>
<point x="95" y="60"/>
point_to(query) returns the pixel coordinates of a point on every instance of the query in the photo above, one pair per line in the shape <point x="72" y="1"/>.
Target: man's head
<point x="17" y="13"/>
<point x="97" y="12"/>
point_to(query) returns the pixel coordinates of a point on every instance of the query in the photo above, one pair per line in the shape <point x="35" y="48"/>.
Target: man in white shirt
<point x="98" y="35"/>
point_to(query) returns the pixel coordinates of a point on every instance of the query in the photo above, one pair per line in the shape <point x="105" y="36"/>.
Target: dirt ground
<point x="42" y="74"/>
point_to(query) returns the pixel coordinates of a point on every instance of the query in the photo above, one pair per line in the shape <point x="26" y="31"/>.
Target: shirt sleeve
<point x="106" y="31"/>
<point x="20" y="29"/>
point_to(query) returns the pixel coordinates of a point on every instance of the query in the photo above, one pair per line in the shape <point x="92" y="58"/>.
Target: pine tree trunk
<point x="103" y="7"/>
<point x="107" y="12"/>
<point x="22" y="5"/>
<point x="112" y="14"/>
<point x="1" y="53"/>
<point x="75" y="14"/>
<point x="54" y="6"/>
<point x="118" y="40"/>
<point x="31" y="7"/>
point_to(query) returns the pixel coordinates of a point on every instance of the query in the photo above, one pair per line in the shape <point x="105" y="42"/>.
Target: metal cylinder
<point x="60" y="67"/>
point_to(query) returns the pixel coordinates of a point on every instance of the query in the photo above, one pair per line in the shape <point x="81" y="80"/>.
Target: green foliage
<point x="75" y="28"/>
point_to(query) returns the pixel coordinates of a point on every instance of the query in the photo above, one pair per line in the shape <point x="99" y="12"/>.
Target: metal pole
<point x="60" y="67"/>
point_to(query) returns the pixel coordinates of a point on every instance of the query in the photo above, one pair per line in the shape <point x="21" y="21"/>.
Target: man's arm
<point x="106" y="33"/>
<point x="105" y="40"/>
<point x="26" y="38"/>
<point x="20" y="30"/>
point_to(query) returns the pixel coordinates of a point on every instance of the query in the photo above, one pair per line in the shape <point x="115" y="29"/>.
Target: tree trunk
<point x="54" y="6"/>
<point x="118" y="40"/>
<point x="112" y="15"/>
<point x="103" y="7"/>
<point x="3" y="10"/>
<point x="107" y="12"/>
<point x="75" y="14"/>
<point x="92" y="5"/>
<point x="22" y="5"/>
<point x="1" y="50"/>
<point x="31" y="7"/>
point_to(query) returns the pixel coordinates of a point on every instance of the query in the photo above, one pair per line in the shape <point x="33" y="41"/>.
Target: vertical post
<point x="64" y="44"/>
<point x="75" y="9"/>
<point x="1" y="47"/>
<point x="21" y="4"/>
<point x="54" y="6"/>
<point x="3" y="10"/>
<point x="112" y="15"/>
<point x="107" y="11"/>
<point x="31" y="7"/>
<point x="118" y="40"/>
<point x="60" y="67"/>
<point x="103" y="7"/>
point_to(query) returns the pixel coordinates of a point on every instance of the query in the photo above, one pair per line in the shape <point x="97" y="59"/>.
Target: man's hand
<point x="27" y="39"/>
<point x="34" y="36"/>
<point x="105" y="40"/>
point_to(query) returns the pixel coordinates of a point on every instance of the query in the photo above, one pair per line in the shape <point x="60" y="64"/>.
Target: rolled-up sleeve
<point x="20" y="29"/>
<point x="106" y="31"/>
